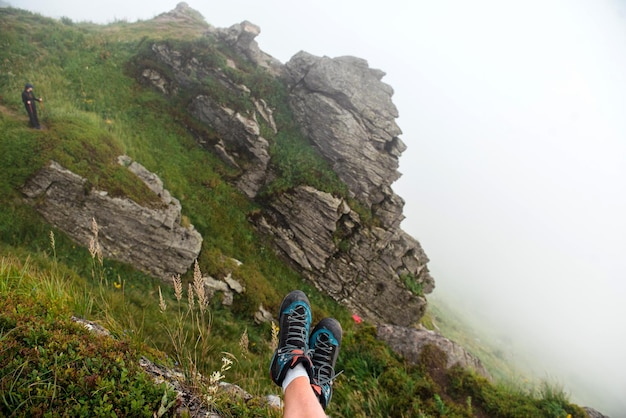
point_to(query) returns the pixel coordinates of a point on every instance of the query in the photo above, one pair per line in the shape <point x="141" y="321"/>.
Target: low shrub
<point x="49" y="363"/>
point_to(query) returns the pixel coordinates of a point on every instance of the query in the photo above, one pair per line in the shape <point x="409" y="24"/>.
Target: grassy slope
<point x="93" y="111"/>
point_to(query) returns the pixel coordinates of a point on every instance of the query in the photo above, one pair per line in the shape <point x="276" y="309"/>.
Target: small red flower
<point x="357" y="318"/>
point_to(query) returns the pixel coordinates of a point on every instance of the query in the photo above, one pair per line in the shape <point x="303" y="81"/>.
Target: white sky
<point x="514" y="113"/>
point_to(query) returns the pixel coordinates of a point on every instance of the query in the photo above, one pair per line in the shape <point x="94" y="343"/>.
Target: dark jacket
<point x="29" y="96"/>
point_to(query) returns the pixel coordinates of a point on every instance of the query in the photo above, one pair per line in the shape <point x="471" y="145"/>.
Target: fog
<point x="515" y="173"/>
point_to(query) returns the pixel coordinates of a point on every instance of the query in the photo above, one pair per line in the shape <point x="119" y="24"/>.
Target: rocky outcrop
<point x="362" y="267"/>
<point x="347" y="112"/>
<point x="182" y="13"/>
<point x="151" y="239"/>
<point x="241" y="37"/>
<point x="592" y="413"/>
<point x="409" y="343"/>
<point x="239" y="142"/>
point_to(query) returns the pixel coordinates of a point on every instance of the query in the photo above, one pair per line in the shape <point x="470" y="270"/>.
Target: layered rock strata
<point x="151" y="239"/>
<point x="347" y="113"/>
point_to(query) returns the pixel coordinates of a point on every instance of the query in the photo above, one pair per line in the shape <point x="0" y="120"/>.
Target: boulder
<point x="228" y="287"/>
<point x="151" y="239"/>
<point x="263" y="315"/>
<point x="592" y="413"/>
<point x="409" y="343"/>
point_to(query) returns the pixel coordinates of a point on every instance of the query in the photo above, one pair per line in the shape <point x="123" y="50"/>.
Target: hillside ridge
<point x="261" y="157"/>
<point x="347" y="242"/>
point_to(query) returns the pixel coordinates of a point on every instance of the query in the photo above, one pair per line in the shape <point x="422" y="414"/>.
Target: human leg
<point x="35" y="118"/>
<point x="32" y="114"/>
<point x="300" y="400"/>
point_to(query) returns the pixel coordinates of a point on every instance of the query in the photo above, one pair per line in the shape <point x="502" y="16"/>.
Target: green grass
<point x="50" y="363"/>
<point x="93" y="111"/>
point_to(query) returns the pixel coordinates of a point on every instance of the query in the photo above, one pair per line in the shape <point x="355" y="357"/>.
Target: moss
<point x="412" y="284"/>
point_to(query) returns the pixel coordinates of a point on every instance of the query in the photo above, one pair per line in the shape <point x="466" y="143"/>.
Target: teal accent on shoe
<point x="293" y="344"/>
<point x="324" y="343"/>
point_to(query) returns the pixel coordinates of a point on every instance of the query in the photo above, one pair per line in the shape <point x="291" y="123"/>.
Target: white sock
<point x="294" y="373"/>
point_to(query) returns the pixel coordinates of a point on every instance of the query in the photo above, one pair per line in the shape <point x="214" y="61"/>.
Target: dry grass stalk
<point x="162" y="304"/>
<point x="244" y="343"/>
<point x="198" y="285"/>
<point x="190" y="296"/>
<point x="274" y="339"/>
<point x="178" y="287"/>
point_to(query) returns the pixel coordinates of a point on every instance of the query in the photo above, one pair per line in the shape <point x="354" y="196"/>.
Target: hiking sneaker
<point x="324" y="344"/>
<point x="294" y="320"/>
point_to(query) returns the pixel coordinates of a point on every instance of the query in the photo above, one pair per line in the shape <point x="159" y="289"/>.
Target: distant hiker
<point x="29" y="99"/>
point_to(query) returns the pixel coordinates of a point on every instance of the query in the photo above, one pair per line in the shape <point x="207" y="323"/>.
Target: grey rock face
<point x="347" y="112"/>
<point x="151" y="239"/>
<point x="360" y="267"/>
<point x="592" y="413"/>
<point x="409" y="343"/>
<point x="241" y="37"/>
<point x="240" y="143"/>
